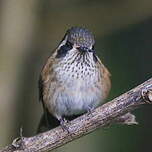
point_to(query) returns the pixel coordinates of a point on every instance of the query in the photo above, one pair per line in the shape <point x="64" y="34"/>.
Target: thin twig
<point x="100" y="117"/>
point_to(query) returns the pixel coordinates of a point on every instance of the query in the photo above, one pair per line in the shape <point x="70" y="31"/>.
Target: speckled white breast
<point x="80" y="81"/>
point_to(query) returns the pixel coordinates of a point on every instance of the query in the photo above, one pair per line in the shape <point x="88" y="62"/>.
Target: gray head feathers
<point x="81" y="37"/>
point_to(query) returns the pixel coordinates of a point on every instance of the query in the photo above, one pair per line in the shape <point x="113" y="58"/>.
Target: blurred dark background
<point x="29" y="31"/>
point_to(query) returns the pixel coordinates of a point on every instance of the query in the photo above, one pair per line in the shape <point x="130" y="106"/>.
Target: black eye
<point x="92" y="50"/>
<point x="69" y="44"/>
<point x="64" y="49"/>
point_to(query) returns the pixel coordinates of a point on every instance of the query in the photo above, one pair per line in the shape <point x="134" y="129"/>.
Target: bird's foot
<point x="90" y="110"/>
<point x="63" y="123"/>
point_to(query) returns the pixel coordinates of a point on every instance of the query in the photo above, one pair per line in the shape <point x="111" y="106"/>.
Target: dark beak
<point x="85" y="49"/>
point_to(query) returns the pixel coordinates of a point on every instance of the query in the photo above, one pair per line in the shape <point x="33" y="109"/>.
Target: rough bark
<point x="100" y="117"/>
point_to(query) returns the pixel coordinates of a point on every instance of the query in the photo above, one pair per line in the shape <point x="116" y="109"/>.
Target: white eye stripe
<point x="63" y="42"/>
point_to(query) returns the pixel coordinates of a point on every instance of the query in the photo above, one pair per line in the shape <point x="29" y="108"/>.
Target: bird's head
<point x="76" y="39"/>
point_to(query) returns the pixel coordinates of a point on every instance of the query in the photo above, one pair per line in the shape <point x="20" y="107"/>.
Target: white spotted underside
<point x="79" y="76"/>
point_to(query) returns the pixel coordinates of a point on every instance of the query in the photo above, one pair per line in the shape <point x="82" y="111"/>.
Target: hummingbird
<point x="73" y="80"/>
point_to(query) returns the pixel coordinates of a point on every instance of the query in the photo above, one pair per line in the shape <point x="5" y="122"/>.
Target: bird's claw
<point x="63" y="123"/>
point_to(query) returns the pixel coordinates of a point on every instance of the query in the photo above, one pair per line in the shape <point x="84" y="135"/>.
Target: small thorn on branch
<point x="127" y="119"/>
<point x="147" y="95"/>
<point x="18" y="142"/>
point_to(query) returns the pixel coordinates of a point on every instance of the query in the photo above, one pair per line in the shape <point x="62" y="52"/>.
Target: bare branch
<point x="100" y="117"/>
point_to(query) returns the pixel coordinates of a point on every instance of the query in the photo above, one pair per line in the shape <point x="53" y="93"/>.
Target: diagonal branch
<point x="100" y="117"/>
